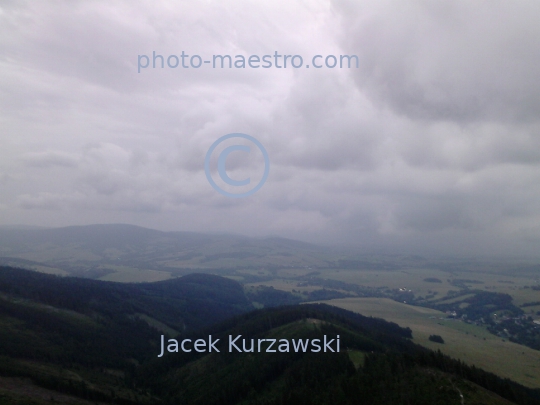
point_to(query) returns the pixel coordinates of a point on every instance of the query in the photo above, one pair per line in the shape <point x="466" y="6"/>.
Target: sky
<point x="429" y="144"/>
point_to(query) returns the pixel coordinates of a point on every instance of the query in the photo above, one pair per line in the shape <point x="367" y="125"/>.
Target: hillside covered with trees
<point x="83" y="341"/>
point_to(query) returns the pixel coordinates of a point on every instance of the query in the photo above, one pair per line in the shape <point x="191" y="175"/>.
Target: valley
<point x="138" y="284"/>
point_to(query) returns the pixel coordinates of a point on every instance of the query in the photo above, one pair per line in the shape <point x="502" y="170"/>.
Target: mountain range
<point x="79" y="341"/>
<point x="95" y="251"/>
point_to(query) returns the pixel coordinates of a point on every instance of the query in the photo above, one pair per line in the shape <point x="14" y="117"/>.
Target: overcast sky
<point x="431" y="145"/>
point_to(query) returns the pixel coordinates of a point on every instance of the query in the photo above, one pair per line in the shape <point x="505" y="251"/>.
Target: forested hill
<point x="189" y="302"/>
<point x="63" y="333"/>
<point x="377" y="364"/>
<point x="80" y="341"/>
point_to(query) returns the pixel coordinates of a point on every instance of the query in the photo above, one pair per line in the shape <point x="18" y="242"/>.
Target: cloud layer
<point x="431" y="145"/>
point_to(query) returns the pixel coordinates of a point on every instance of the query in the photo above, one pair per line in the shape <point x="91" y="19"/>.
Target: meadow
<point x="469" y="343"/>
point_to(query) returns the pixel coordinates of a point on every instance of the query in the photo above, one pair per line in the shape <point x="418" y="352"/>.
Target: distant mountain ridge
<point x="97" y="250"/>
<point x="126" y="233"/>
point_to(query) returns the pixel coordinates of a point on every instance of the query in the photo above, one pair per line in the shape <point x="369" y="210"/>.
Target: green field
<point x="470" y="343"/>
<point x="130" y="275"/>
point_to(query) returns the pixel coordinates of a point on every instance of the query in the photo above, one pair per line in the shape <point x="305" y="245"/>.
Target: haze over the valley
<point x="430" y="146"/>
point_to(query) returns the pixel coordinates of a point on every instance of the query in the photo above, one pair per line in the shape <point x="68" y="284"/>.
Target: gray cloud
<point x="451" y="61"/>
<point x="49" y="159"/>
<point x="431" y="145"/>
